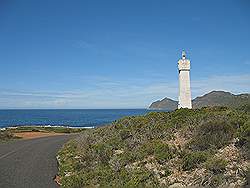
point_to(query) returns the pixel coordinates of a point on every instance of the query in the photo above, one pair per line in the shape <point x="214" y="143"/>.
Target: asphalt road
<point x="30" y="163"/>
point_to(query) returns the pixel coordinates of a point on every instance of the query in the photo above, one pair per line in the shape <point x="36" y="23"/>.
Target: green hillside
<point x="204" y="147"/>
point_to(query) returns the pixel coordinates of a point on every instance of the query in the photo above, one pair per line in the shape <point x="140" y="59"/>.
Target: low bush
<point x="216" y="180"/>
<point x="140" y="177"/>
<point x="244" y="135"/>
<point x="160" y="150"/>
<point x="6" y="135"/>
<point x="192" y="160"/>
<point x="124" y="134"/>
<point x="213" y="134"/>
<point x="245" y="108"/>
<point x="103" y="152"/>
<point x="56" y="129"/>
<point x="248" y="178"/>
<point x="166" y="171"/>
<point x="216" y="165"/>
<point x="140" y="151"/>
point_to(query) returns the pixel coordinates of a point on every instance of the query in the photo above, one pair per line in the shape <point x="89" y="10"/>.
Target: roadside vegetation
<point x="56" y="129"/>
<point x="6" y="136"/>
<point x="9" y="133"/>
<point x="202" y="147"/>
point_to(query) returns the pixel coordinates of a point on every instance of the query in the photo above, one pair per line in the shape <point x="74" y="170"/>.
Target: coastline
<point x="82" y="118"/>
<point x="44" y="126"/>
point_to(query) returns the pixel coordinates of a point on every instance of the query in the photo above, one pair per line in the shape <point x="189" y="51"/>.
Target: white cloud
<point x="120" y="94"/>
<point x="232" y="83"/>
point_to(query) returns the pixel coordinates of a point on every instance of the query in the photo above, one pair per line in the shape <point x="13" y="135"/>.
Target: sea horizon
<point x="72" y="108"/>
<point x="65" y="117"/>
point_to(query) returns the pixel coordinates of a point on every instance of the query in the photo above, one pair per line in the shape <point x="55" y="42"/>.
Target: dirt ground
<point x="30" y="135"/>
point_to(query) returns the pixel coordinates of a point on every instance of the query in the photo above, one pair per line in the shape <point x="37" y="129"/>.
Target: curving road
<point x="30" y="163"/>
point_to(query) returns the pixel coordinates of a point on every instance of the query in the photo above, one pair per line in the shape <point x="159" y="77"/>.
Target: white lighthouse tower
<point x="184" y="83"/>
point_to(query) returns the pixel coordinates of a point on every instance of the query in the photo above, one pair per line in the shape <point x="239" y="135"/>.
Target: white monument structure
<point x="184" y="83"/>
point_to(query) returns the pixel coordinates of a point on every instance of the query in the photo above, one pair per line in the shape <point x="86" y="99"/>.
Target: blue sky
<point x="119" y="54"/>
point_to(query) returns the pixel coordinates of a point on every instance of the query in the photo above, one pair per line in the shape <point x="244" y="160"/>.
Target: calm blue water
<point x="74" y="118"/>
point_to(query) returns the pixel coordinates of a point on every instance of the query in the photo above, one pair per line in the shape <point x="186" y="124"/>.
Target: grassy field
<point x="202" y="147"/>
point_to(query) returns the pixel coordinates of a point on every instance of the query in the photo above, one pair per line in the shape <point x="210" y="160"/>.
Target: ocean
<point x="65" y="117"/>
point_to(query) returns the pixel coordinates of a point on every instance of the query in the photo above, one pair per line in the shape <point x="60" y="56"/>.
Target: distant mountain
<point x="214" y="98"/>
<point x="166" y="103"/>
<point x="221" y="98"/>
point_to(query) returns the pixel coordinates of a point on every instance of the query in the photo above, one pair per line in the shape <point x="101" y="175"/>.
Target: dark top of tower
<point x="183" y="54"/>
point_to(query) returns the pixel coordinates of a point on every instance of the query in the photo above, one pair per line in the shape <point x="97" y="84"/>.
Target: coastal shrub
<point x="216" y="180"/>
<point x="247" y="178"/>
<point x="6" y="135"/>
<point x="136" y="151"/>
<point x="180" y="118"/>
<point x="115" y="142"/>
<point x="166" y="171"/>
<point x="56" y="129"/>
<point x="127" y="157"/>
<point x="161" y="151"/>
<point x="140" y="177"/>
<point x="213" y="134"/>
<point x="192" y="160"/>
<point x="130" y="177"/>
<point x="103" y="173"/>
<point x="124" y="134"/>
<point x="102" y="176"/>
<point x="102" y="152"/>
<point x="216" y="165"/>
<point x="67" y="162"/>
<point x="244" y="135"/>
<point x="244" y="108"/>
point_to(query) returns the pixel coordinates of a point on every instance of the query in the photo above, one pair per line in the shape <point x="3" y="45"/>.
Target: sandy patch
<point x="30" y="135"/>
